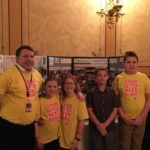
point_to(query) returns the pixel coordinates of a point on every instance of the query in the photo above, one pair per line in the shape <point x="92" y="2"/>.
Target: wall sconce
<point x="112" y="10"/>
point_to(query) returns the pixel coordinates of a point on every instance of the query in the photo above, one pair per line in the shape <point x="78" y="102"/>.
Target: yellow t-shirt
<point x="13" y="95"/>
<point x="49" y="111"/>
<point x="73" y="110"/>
<point x="132" y="90"/>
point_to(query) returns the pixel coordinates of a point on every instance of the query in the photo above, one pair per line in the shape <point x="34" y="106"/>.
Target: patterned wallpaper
<point x="63" y="28"/>
<point x="72" y="28"/>
<point x="4" y="27"/>
<point x="135" y="29"/>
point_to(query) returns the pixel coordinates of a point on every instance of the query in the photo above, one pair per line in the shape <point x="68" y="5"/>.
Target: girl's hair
<point x="42" y="90"/>
<point x="52" y="78"/>
<point x="77" y="87"/>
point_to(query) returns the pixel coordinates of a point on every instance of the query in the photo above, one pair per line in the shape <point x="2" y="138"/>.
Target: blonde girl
<point x="73" y="115"/>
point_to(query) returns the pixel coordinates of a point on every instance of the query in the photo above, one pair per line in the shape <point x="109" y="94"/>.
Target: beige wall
<point x="64" y="28"/>
<point x="4" y="27"/>
<point x="135" y="29"/>
<point x="72" y="28"/>
<point x="15" y="25"/>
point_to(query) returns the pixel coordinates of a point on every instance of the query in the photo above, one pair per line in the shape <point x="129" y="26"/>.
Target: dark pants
<point x="53" y="145"/>
<point x="98" y="142"/>
<point x="16" y="137"/>
<point x="60" y="148"/>
<point x="63" y="148"/>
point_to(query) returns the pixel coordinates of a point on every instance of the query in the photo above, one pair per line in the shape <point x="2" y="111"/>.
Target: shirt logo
<point x="66" y="112"/>
<point x="53" y="111"/>
<point x="130" y="88"/>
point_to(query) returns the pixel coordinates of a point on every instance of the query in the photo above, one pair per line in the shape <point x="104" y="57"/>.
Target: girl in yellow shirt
<point x="73" y="115"/>
<point x="47" y="126"/>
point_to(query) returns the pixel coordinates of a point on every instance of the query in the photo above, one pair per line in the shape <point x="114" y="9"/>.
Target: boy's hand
<point x="138" y="121"/>
<point x="102" y="130"/>
<point x="128" y="120"/>
<point x="103" y="126"/>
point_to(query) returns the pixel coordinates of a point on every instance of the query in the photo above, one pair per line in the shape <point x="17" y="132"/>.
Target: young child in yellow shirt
<point x="47" y="126"/>
<point x="73" y="115"/>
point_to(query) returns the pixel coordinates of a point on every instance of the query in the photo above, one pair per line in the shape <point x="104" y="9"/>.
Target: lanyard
<point x="27" y="87"/>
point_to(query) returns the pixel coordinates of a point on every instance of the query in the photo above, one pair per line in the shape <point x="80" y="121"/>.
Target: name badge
<point x="28" y="107"/>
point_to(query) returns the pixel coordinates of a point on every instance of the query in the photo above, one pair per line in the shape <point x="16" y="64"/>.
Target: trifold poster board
<point x="81" y="63"/>
<point x="59" y="63"/>
<point x="81" y="67"/>
<point x="116" y="64"/>
<point x="6" y="61"/>
<point x="58" y="66"/>
<point x="84" y="68"/>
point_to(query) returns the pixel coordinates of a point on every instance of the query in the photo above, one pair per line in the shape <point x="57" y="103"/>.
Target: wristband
<point x="77" y="139"/>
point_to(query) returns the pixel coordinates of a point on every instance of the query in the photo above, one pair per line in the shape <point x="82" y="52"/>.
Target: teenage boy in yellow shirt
<point x="133" y="89"/>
